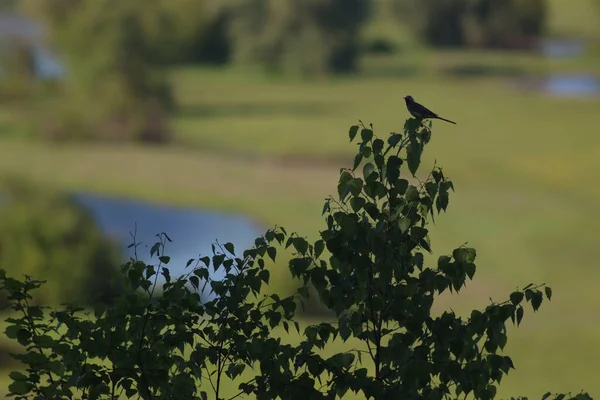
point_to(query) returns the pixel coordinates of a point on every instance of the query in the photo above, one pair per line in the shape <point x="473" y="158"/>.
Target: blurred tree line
<point x="505" y="24"/>
<point x="117" y="53"/>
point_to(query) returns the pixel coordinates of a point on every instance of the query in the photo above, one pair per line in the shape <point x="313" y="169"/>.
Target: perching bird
<point x="419" y="111"/>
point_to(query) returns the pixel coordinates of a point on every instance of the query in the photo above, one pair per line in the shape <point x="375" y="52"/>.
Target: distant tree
<point x="116" y="55"/>
<point x="311" y="37"/>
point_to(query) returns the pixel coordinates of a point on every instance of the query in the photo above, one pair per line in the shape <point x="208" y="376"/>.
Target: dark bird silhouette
<point x="420" y="111"/>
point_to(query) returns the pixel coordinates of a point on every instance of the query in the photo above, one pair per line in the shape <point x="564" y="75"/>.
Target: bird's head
<point x="408" y="99"/>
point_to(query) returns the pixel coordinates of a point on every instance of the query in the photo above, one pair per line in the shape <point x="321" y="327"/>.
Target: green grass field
<point x="525" y="166"/>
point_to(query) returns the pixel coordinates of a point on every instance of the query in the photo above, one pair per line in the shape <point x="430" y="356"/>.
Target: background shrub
<point x="48" y="235"/>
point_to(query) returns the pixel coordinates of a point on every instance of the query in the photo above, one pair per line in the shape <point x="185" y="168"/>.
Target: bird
<point x="420" y="111"/>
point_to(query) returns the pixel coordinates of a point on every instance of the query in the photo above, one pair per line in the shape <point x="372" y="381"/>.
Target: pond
<point x="564" y="85"/>
<point x="192" y="231"/>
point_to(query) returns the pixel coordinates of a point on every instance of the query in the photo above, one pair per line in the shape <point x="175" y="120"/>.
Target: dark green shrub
<point x="370" y="268"/>
<point x="47" y="235"/>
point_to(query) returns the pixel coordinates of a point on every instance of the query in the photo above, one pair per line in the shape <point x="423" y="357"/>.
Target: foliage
<point x="47" y="235"/>
<point x="370" y="267"/>
<point x="477" y="23"/>
<point x="123" y="76"/>
<point x="308" y="37"/>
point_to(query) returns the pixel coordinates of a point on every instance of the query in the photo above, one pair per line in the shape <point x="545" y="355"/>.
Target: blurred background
<point x="213" y="120"/>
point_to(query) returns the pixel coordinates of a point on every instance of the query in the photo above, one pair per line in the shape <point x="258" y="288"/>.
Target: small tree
<point x="368" y="267"/>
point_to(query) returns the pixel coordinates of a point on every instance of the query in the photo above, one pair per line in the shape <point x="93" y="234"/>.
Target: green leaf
<point x="264" y="276"/>
<point x="377" y="146"/>
<point x="431" y="188"/>
<point x="516" y="297"/>
<point x="194" y="281"/>
<point x="418" y="260"/>
<point x="326" y="207"/>
<point x="23" y="337"/>
<point x="394" y="139"/>
<point x="441" y="283"/>
<point x="401" y="186"/>
<point x="319" y="247"/>
<point x="417" y="233"/>
<point x="345" y="177"/>
<point x="412" y="193"/>
<point x="218" y="260"/>
<point x="205" y="260"/>
<point x="520" y="313"/>
<point x="546" y="395"/>
<point x="548" y="291"/>
<point x="368" y="170"/>
<point x="413" y="156"/>
<point x="404" y="223"/>
<point x="536" y="300"/>
<point x="470" y="270"/>
<point x="155" y="249"/>
<point x="229" y="247"/>
<point x="356" y="186"/>
<point x="17" y="376"/>
<point x="366" y="134"/>
<point x="357" y="203"/>
<point x="20" y="387"/>
<point x="508" y="361"/>
<point x="301" y="245"/>
<point x="164" y="259"/>
<point x="425" y="244"/>
<point x="357" y="160"/>
<point x="353" y="131"/>
<point x="272" y="253"/>
<point x="11" y="331"/>
<point x="441" y="202"/>
<point x="392" y="171"/>
<point x="464" y="255"/>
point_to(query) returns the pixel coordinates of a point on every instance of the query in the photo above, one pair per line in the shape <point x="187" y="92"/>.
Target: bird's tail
<point x="447" y="120"/>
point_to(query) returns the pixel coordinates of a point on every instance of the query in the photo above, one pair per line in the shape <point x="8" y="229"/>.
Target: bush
<point x="47" y="235"/>
<point x="370" y="267"/>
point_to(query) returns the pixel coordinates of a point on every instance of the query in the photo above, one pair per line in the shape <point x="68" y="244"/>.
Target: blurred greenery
<point x="310" y="37"/>
<point x="526" y="162"/>
<point x="123" y="76"/>
<point x="46" y="235"/>
<point x="475" y="23"/>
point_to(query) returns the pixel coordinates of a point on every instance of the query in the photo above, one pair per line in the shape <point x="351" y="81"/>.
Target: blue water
<point x="191" y="230"/>
<point x="572" y="85"/>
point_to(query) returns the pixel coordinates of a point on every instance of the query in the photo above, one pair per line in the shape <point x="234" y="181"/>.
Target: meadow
<point x="524" y="163"/>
